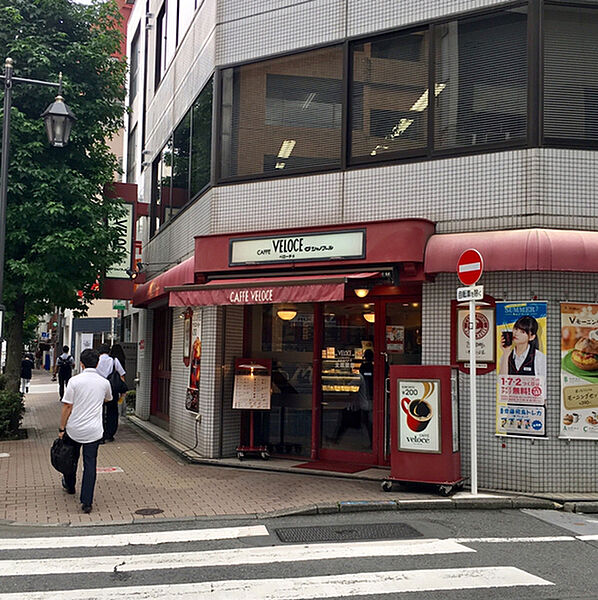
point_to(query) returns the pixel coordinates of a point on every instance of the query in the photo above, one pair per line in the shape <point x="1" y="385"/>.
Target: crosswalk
<point x="193" y="564"/>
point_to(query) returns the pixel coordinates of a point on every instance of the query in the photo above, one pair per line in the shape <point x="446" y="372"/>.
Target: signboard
<point x="579" y="371"/>
<point x="124" y="225"/>
<point x="521" y="368"/>
<point x="419" y="415"/>
<point x="470" y="266"/>
<point x="86" y="341"/>
<point x="395" y="339"/>
<point x="330" y="245"/>
<point x="252" y="385"/>
<point x="472" y="292"/>
<point x="119" y="304"/>
<point x="192" y="342"/>
<point x="484" y="335"/>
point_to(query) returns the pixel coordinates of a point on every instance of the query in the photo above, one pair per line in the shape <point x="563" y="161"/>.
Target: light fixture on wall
<point x="370" y="317"/>
<point x="286" y="313"/>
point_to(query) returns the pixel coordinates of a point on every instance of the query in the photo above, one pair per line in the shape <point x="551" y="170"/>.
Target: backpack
<point x="65" y="364"/>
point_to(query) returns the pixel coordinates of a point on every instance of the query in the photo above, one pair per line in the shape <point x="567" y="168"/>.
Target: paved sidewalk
<point x="137" y="472"/>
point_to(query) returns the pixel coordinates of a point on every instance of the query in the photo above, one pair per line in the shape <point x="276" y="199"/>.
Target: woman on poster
<point x="525" y="357"/>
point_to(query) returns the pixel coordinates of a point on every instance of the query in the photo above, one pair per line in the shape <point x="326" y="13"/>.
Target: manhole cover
<point x="341" y="533"/>
<point x="149" y="511"/>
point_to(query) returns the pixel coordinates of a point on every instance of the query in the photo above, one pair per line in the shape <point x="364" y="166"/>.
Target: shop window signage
<point x="330" y="245"/>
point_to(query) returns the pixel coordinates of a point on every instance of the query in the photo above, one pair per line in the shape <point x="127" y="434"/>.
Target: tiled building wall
<point x="144" y="365"/>
<point x="516" y="463"/>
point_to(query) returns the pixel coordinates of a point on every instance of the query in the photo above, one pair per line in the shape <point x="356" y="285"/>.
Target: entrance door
<point x="347" y="381"/>
<point x="161" y="349"/>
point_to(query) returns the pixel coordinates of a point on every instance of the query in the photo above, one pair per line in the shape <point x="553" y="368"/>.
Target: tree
<point x="57" y="238"/>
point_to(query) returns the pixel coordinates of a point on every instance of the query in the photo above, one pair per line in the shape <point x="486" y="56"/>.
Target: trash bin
<point x="424" y="431"/>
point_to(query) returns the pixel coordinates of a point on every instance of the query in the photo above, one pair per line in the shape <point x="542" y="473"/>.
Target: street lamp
<point x="59" y="120"/>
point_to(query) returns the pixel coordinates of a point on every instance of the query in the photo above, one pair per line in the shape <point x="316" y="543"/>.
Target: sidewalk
<point x="140" y="478"/>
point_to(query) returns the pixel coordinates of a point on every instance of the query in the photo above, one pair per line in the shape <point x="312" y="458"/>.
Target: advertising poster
<point x="395" y="339"/>
<point x="192" y="395"/>
<point x="484" y="335"/>
<point x="521" y="368"/>
<point x="419" y="415"/>
<point x="579" y="371"/>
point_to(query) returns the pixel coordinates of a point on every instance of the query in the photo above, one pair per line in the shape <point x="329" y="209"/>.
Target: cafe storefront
<point x="330" y="309"/>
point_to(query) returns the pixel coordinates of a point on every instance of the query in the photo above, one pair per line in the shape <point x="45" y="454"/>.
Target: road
<point x="416" y="555"/>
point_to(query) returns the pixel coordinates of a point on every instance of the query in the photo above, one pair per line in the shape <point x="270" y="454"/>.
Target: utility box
<point x="424" y="427"/>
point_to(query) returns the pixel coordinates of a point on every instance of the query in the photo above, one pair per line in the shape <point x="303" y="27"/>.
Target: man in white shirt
<point x="105" y="367"/>
<point x="81" y="423"/>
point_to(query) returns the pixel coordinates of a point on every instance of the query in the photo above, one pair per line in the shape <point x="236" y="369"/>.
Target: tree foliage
<point x="57" y="240"/>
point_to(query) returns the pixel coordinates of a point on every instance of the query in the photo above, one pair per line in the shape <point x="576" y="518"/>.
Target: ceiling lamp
<point x="286" y="314"/>
<point x="370" y="317"/>
<point x="361" y="292"/>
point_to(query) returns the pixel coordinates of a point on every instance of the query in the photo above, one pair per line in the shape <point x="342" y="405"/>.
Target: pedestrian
<point x="81" y="423"/>
<point x="118" y="353"/>
<point x="64" y="369"/>
<point x="26" y="368"/>
<point x="106" y="365"/>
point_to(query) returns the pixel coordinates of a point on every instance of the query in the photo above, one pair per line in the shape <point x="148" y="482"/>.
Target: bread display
<point x="585" y="354"/>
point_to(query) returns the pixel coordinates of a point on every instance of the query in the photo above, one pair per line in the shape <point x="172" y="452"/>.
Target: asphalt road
<point x="416" y="555"/>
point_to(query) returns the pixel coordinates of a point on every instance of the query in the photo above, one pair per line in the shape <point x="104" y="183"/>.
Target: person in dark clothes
<point x="106" y="365"/>
<point x="26" y="370"/>
<point x="64" y="369"/>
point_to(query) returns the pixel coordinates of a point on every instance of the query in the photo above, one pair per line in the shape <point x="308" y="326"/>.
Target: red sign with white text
<point x="470" y="266"/>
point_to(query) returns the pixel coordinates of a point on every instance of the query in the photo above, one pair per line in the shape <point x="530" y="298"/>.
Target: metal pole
<point x="472" y="389"/>
<point x="8" y="68"/>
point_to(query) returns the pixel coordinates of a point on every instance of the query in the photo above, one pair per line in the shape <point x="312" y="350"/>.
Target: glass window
<point x="180" y="163"/>
<point x="283" y="114"/>
<point x="286" y="427"/>
<point x="389" y="95"/>
<point x="481" y="80"/>
<point x="571" y="94"/>
<point x="161" y="188"/>
<point x="186" y="12"/>
<point x="201" y="142"/>
<point x="160" y="45"/>
<point x="134" y="68"/>
<point x="132" y="156"/>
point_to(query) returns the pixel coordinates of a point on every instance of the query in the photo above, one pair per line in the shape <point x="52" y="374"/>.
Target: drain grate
<point x="149" y="511"/>
<point x="343" y="533"/>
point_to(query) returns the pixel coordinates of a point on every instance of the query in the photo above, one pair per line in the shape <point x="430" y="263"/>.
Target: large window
<point x="134" y="68"/>
<point x="481" y="80"/>
<point x="183" y="168"/>
<point x="389" y="95"/>
<point x="282" y="115"/>
<point x="571" y="73"/>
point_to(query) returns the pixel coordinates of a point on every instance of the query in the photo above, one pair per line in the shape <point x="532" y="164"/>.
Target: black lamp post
<point x="59" y="120"/>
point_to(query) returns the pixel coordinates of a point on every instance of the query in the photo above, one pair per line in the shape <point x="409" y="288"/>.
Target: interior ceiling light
<point x="286" y="148"/>
<point x="361" y="292"/>
<point x="286" y="314"/>
<point x="308" y="100"/>
<point x="370" y="317"/>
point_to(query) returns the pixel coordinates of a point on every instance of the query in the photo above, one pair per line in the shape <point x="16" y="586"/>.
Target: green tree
<point x="57" y="238"/>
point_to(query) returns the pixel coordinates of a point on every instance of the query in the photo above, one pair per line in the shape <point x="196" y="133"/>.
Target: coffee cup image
<point x="507" y="338"/>
<point x="419" y="413"/>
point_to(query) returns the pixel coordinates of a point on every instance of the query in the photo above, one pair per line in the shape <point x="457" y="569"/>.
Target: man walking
<point x="64" y="368"/>
<point x="106" y="365"/>
<point x="81" y="423"/>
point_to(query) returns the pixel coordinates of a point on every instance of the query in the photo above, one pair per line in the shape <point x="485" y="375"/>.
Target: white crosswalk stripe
<point x="44" y="575"/>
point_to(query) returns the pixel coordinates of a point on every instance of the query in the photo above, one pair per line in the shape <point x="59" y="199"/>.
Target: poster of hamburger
<point x="579" y="371"/>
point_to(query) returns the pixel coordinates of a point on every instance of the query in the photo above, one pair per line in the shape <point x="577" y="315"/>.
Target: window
<point x="283" y="114"/>
<point x="481" y="80"/>
<point x="389" y="95"/>
<point x="132" y="156"/>
<point x="186" y="12"/>
<point x="201" y="141"/>
<point x="571" y="94"/>
<point x="134" y="68"/>
<point x="160" y="45"/>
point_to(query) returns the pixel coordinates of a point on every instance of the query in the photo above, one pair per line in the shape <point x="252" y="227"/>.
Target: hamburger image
<point x="585" y="353"/>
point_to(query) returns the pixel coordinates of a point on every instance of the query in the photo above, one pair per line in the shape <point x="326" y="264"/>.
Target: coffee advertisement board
<point x="419" y="415"/>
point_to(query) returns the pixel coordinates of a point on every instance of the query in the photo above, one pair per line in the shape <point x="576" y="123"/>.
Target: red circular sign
<point x="470" y="266"/>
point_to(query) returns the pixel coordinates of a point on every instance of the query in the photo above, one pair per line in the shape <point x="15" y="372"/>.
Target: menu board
<point x="252" y="385"/>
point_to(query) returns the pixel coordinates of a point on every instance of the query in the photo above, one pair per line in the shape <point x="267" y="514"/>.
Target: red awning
<point x="266" y="290"/>
<point x="180" y="274"/>
<point x="516" y="250"/>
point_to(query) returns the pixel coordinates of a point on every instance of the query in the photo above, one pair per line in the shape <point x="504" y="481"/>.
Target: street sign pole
<point x="469" y="270"/>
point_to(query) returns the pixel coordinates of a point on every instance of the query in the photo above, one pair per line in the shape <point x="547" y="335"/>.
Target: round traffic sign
<point x="470" y="266"/>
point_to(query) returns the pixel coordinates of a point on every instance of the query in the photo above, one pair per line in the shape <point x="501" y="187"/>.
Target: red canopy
<point x="180" y="274"/>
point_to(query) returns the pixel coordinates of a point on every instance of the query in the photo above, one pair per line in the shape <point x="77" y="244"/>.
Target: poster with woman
<point x="521" y="368"/>
<point x="579" y="371"/>
<point x="192" y="396"/>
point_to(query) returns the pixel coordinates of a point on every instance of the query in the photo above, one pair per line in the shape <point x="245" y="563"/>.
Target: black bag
<point x="65" y="365"/>
<point x="119" y="387"/>
<point x="63" y="457"/>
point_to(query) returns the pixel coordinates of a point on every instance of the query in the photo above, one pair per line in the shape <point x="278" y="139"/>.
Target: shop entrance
<point x="360" y="342"/>
<point x="161" y="351"/>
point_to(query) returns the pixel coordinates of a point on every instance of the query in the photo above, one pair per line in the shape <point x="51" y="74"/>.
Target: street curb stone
<point x="581" y="507"/>
<point x="366" y="505"/>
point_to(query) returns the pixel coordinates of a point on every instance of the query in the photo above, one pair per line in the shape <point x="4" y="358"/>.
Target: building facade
<point x="328" y="161"/>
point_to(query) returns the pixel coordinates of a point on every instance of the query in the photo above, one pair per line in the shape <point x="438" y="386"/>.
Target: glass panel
<point x="571" y="94"/>
<point x="132" y="156"/>
<point x="283" y="114"/>
<point x="134" y="68"/>
<point x="347" y="377"/>
<point x="481" y="80"/>
<point x="286" y="427"/>
<point x="389" y="98"/>
<point x="201" y="142"/>
<point x="180" y="164"/>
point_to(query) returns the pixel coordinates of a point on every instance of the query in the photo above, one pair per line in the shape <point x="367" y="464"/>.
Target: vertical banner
<point x="579" y="371"/>
<point x="521" y="368"/>
<point x="192" y="395"/>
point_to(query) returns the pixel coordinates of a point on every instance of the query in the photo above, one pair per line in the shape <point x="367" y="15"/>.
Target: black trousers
<point x="110" y="418"/>
<point x="63" y="379"/>
<point x="90" y="461"/>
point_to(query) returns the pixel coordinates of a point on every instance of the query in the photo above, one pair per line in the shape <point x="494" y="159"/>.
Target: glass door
<point x="347" y="382"/>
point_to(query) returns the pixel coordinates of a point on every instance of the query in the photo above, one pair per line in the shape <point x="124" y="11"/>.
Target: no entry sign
<point x="470" y="266"/>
